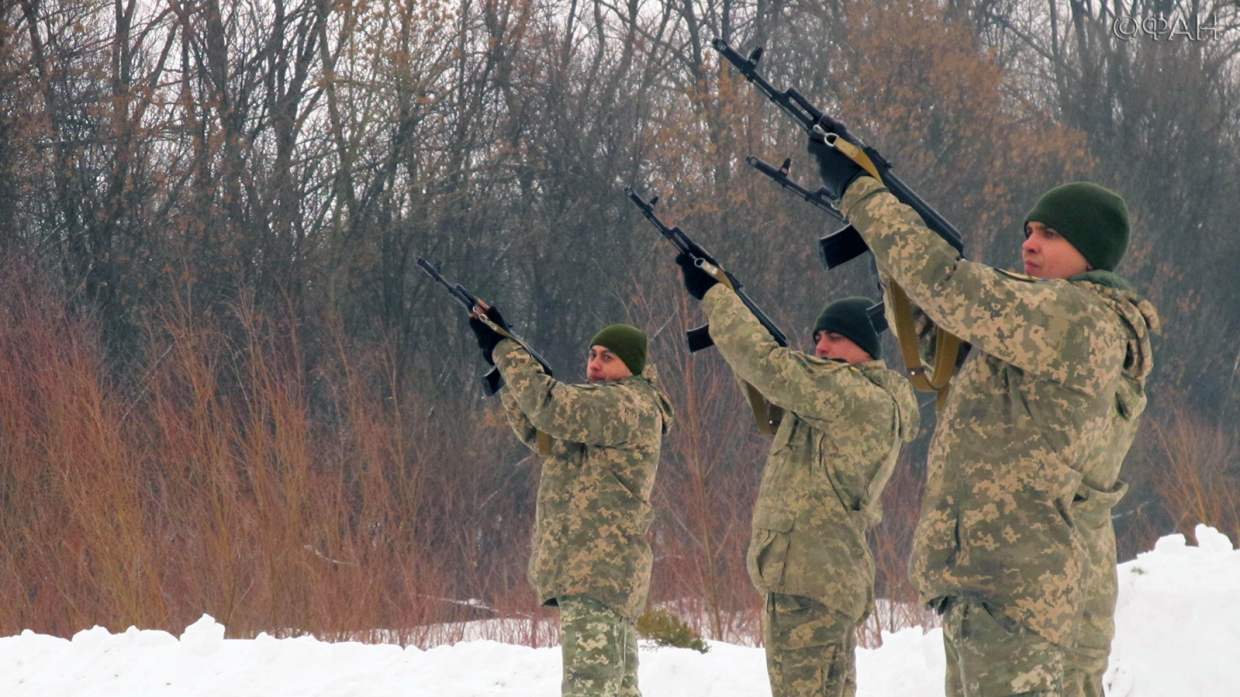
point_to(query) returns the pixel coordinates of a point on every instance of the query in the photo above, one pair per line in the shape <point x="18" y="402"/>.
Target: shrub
<point x="666" y="629"/>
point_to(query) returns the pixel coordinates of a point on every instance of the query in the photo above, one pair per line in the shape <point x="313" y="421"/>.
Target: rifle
<point x="815" y="122"/>
<point x="493" y="380"/>
<point x="768" y="415"/>
<point x="845" y="242"/>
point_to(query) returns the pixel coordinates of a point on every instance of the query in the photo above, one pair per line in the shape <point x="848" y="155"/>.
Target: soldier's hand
<point x="487" y="337"/>
<point x="830" y="124"/>
<point x="697" y="281"/>
<point x="836" y="169"/>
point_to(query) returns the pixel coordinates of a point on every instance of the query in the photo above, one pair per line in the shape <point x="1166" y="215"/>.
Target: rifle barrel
<point x="780" y="176"/>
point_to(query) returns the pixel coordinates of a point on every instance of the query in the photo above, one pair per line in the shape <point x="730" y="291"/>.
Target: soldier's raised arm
<point x="519" y="422"/>
<point x="607" y="414"/>
<point x="812" y="387"/>
<point x="1030" y="323"/>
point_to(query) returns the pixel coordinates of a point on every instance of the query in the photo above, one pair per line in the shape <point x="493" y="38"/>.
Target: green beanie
<point x="627" y="342"/>
<point x="1093" y="219"/>
<point x="850" y="317"/>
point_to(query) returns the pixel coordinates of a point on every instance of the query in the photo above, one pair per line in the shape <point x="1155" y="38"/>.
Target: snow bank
<point x="1178" y="635"/>
<point x="1177" y="625"/>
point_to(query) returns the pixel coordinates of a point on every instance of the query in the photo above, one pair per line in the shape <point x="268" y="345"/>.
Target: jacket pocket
<point x="784" y="435"/>
<point x="768" y="549"/>
<point x="1091" y="507"/>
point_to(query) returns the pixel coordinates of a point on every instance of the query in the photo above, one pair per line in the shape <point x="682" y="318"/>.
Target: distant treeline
<point x="226" y="387"/>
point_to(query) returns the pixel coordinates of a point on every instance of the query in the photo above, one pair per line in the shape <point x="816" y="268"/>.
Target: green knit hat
<point x="1093" y="219"/>
<point x="850" y="317"/>
<point x="627" y="342"/>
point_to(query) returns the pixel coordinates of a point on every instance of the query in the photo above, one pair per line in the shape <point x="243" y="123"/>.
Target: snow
<point x="1178" y="634"/>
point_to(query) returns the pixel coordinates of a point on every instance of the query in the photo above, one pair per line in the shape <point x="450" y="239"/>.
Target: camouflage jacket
<point x="831" y="457"/>
<point x="1101" y="487"/>
<point x="1035" y="407"/>
<point x="593" y="508"/>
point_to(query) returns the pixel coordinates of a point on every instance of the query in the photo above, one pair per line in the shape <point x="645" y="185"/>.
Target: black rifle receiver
<point x="814" y="121"/>
<point x="699" y="338"/>
<point x="493" y="381"/>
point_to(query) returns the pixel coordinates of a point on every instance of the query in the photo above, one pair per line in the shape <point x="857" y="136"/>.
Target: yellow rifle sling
<point x="946" y="346"/>
<point x="767" y="415"/>
<point x="946" y="349"/>
<point x="855" y="154"/>
<point x="544" y="444"/>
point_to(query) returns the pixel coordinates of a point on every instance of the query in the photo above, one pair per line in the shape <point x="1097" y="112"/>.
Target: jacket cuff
<point x="504" y="353"/>
<point x="857" y="192"/>
<point x="712" y="297"/>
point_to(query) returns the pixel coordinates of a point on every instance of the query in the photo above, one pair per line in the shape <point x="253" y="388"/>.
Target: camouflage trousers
<point x="599" y="649"/>
<point x="1083" y="672"/>
<point x="809" y="649"/>
<point x="989" y="655"/>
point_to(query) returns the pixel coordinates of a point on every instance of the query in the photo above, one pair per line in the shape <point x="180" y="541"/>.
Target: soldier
<point x="845" y="417"/>
<point x="590" y="556"/>
<point x="1023" y="466"/>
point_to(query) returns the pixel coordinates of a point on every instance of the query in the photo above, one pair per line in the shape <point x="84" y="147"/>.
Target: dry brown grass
<point x="283" y="478"/>
<point x="1200" y="479"/>
<point x="233" y="480"/>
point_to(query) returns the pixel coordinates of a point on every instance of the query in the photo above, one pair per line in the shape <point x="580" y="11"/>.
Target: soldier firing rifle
<point x="1014" y="547"/>
<point x="844" y="416"/>
<point x="600" y="444"/>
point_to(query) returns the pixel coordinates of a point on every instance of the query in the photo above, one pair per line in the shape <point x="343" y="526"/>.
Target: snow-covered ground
<point x="1178" y="635"/>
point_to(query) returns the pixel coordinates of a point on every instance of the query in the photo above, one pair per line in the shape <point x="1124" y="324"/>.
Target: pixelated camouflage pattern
<point x="1083" y="675"/>
<point x="593" y="507"/>
<point x="1101" y="488"/>
<point x="810" y="650"/>
<point x="990" y="655"/>
<point x="1033" y="407"/>
<point x="599" y="648"/>
<point x="829" y="462"/>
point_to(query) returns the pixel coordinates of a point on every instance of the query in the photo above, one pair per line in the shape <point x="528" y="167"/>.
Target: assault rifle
<point x="768" y="415"/>
<point x="834" y="249"/>
<point x="493" y="381"/>
<point x="815" y="122"/>
<point x="845" y="242"/>
<point x="699" y="338"/>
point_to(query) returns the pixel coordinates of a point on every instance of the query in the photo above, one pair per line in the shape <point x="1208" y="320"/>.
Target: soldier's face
<point x="604" y="366"/>
<point x="834" y="346"/>
<point x="1048" y="254"/>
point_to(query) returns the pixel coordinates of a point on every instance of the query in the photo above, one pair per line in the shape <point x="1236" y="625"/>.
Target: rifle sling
<point x="766" y="414"/>
<point x="544" y="444"/>
<point x="946" y="346"/>
<point x="946" y="349"/>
